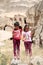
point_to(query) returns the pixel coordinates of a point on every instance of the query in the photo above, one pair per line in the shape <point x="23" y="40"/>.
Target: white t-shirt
<point x="27" y="36"/>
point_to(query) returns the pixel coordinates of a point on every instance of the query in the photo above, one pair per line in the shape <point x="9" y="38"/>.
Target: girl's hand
<point x="23" y="39"/>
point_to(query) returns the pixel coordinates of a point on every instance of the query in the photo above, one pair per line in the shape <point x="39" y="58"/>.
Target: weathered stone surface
<point x="17" y="5"/>
<point x="37" y="60"/>
<point x="32" y="9"/>
<point x="38" y="36"/>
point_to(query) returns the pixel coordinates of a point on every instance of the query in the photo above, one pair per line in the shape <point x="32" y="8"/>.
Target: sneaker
<point x="18" y="61"/>
<point x="13" y="61"/>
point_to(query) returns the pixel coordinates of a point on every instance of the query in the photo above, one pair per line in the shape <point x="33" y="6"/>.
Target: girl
<point x="16" y="40"/>
<point x="27" y="40"/>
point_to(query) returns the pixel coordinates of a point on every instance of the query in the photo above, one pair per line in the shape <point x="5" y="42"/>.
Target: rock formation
<point x="39" y="27"/>
<point x="32" y="9"/>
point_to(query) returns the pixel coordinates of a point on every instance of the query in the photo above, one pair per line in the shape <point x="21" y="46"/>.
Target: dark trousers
<point x="16" y="46"/>
<point x="28" y="47"/>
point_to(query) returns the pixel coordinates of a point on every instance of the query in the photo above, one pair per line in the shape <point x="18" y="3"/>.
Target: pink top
<point x="17" y="34"/>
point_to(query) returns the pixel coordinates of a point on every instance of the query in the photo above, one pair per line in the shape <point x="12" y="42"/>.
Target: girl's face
<point x="16" y="27"/>
<point x="27" y="28"/>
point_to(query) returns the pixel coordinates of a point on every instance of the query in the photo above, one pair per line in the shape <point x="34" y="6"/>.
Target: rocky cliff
<point x="16" y="5"/>
<point x="32" y="9"/>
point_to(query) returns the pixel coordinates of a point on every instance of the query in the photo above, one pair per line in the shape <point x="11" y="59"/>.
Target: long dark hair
<point x="25" y="27"/>
<point x="20" y="27"/>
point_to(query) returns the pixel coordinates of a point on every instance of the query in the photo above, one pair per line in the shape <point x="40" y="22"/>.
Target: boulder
<point x="37" y="60"/>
